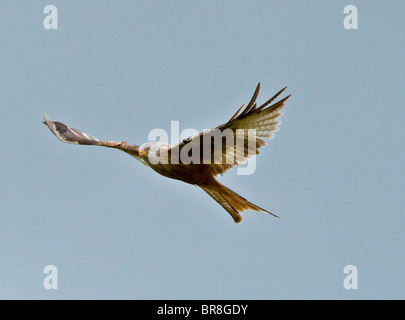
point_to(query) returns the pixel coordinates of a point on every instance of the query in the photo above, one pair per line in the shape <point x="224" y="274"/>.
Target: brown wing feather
<point x="263" y="119"/>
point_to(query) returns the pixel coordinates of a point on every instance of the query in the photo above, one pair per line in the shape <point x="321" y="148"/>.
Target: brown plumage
<point x="198" y="160"/>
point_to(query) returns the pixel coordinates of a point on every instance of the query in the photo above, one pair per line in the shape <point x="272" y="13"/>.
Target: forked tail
<point x="231" y="201"/>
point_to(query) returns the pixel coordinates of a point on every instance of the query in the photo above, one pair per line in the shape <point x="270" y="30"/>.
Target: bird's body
<point x="198" y="160"/>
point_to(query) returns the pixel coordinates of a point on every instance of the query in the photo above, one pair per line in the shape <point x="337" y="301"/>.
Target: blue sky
<point x="118" y="69"/>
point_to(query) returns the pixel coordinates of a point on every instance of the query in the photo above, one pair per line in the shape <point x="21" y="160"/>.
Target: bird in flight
<point x="199" y="159"/>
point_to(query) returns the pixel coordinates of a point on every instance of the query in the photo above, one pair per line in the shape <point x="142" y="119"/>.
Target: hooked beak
<point x="141" y="153"/>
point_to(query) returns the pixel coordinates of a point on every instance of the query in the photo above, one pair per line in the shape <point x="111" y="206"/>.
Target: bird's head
<point x="154" y="152"/>
<point x="144" y="149"/>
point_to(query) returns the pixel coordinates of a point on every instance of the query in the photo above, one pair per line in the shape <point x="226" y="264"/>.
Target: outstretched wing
<point x="239" y="138"/>
<point x="75" y="136"/>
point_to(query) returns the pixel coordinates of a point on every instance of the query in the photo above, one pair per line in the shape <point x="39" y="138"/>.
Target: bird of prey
<point x="199" y="159"/>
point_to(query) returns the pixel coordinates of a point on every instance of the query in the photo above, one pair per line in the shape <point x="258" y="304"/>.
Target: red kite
<point x="198" y="160"/>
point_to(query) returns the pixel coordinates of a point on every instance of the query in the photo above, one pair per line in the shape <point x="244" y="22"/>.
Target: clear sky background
<point x="115" y="229"/>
